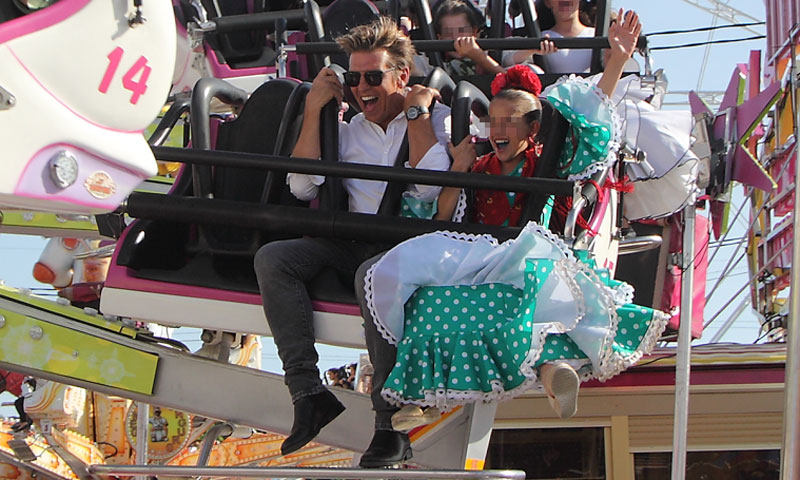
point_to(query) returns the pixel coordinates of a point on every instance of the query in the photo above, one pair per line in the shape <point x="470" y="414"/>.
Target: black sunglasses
<point x="373" y="77"/>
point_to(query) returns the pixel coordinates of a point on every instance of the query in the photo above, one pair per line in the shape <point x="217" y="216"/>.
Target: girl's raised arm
<point x="622" y="35"/>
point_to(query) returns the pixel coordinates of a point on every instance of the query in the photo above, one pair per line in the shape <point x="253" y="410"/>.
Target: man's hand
<point x="463" y="155"/>
<point x="420" y="95"/>
<point x="623" y="35"/>
<point x="325" y="87"/>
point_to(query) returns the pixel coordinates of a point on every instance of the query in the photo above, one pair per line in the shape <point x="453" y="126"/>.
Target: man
<point x="380" y="56"/>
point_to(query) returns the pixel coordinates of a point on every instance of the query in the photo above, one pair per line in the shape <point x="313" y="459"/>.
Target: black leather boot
<point x="387" y="448"/>
<point x="311" y="413"/>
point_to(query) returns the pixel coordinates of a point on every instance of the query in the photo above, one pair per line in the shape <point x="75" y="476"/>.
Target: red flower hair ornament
<point x="521" y="77"/>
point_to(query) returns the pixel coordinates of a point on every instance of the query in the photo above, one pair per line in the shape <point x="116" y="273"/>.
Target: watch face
<point x="413" y="113"/>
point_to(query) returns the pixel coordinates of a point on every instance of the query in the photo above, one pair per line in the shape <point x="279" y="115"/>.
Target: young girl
<point x="570" y="21"/>
<point x="476" y="320"/>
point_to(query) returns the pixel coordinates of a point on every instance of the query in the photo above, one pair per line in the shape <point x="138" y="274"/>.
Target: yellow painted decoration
<point x="63" y="310"/>
<point x="168" y="431"/>
<point x="37" y="344"/>
<point x="23" y="218"/>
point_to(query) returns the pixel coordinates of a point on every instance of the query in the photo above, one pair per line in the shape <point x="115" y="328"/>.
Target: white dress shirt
<point x="362" y="141"/>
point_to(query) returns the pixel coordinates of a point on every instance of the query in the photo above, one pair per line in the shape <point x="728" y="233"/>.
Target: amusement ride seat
<point x="213" y="256"/>
<point x="239" y="49"/>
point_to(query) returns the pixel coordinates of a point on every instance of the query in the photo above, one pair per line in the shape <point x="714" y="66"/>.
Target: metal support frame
<point x="790" y="463"/>
<point x="282" y="472"/>
<point x="209" y="440"/>
<point x="480" y="432"/>
<point x="142" y="418"/>
<point x="683" y="365"/>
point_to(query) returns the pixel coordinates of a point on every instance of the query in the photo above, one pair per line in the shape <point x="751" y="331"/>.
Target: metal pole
<point x="142" y="418"/>
<point x="289" y="472"/>
<point x="790" y="464"/>
<point x="211" y="438"/>
<point x="683" y="366"/>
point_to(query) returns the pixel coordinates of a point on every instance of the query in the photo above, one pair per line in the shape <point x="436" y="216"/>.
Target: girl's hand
<point x="463" y="154"/>
<point x="546" y="47"/>
<point x="467" y="47"/>
<point x="623" y="35"/>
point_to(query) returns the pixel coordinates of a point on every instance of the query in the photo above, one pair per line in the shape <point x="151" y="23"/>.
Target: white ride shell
<point x="78" y="85"/>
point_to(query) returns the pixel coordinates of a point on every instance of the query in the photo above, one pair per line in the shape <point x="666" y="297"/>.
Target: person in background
<point x="456" y="20"/>
<point x="570" y="22"/>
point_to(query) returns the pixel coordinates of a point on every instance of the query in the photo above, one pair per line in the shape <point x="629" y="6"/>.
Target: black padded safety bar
<point x="392" y="194"/>
<point x="497" y="28"/>
<point x="466" y="98"/>
<point x="367" y="172"/>
<point x="600" y="30"/>
<point x="295" y="20"/>
<point x="511" y="43"/>
<point x="294" y="107"/>
<point x="315" y="33"/>
<point x="294" y="220"/>
<point x="441" y="81"/>
<point x="170" y="119"/>
<point x="332" y="195"/>
<point x="425" y="20"/>
<point x="204" y="90"/>
<point x="528" y="10"/>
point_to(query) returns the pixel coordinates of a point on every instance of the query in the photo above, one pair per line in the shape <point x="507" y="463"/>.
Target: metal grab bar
<point x="363" y="171"/>
<point x="284" y="472"/>
<point x="510" y="43"/>
<point x="296" y="20"/>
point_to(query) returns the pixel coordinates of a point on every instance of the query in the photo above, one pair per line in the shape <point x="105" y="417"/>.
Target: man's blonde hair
<point x="382" y="33"/>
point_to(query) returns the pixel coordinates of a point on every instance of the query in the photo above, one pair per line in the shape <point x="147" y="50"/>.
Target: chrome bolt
<point x="74" y="354"/>
<point x="37" y="332"/>
<point x="2" y="321"/>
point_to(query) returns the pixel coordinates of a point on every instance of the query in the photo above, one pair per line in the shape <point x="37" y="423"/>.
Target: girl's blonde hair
<point x="524" y="103"/>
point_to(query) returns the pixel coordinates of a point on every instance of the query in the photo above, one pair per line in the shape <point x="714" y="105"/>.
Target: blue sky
<point x="683" y="67"/>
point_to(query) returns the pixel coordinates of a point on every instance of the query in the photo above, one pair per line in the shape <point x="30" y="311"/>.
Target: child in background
<point x="569" y="23"/>
<point x="455" y="20"/>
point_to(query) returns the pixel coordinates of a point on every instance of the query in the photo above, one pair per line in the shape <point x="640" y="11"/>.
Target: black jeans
<point x="283" y="269"/>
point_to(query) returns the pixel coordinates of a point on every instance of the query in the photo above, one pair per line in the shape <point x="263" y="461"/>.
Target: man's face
<point x="380" y="103"/>
<point x="509" y="133"/>
<point x="456" y="26"/>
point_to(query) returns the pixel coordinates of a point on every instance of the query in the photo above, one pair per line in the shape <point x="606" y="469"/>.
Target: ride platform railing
<point x="311" y="473"/>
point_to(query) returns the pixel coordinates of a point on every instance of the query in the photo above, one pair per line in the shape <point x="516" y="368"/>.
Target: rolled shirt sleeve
<point x="304" y="187"/>
<point x="436" y="158"/>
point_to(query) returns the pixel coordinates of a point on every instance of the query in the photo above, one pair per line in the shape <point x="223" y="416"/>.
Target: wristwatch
<point x="414" y="111"/>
